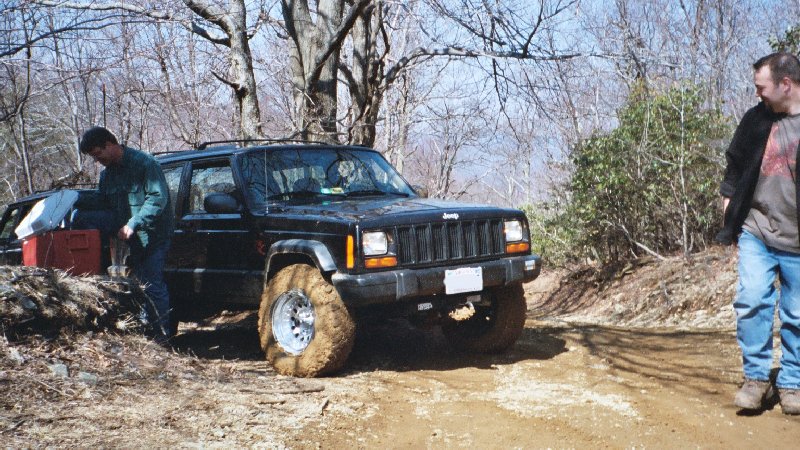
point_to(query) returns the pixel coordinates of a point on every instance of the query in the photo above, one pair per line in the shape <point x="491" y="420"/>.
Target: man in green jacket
<point x="132" y="204"/>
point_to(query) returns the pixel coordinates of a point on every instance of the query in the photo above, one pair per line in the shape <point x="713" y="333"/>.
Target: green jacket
<point x="136" y="192"/>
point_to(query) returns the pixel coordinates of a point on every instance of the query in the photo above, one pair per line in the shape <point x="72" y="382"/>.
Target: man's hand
<point x="725" y="201"/>
<point x="125" y="233"/>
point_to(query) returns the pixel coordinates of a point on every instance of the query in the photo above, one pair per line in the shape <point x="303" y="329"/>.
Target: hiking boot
<point x="753" y="394"/>
<point x="790" y="400"/>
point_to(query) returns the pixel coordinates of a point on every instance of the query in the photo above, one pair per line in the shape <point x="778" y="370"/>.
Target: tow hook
<point x="462" y="312"/>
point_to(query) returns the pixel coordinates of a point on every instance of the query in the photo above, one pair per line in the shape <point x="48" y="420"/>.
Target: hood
<point x="368" y="208"/>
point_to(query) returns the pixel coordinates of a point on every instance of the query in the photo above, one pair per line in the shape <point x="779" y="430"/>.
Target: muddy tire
<point x="492" y="329"/>
<point x="304" y="327"/>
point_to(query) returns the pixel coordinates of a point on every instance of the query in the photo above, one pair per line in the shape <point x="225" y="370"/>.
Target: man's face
<point x="106" y="155"/>
<point x="768" y="91"/>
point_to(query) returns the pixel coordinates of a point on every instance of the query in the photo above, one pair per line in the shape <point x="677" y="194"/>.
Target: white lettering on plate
<point x="446" y="216"/>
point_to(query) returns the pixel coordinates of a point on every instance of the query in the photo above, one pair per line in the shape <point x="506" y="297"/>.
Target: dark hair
<point x="781" y="65"/>
<point x="96" y="137"/>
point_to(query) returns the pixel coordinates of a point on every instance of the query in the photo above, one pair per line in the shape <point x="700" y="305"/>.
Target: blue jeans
<point x="755" y="302"/>
<point x="147" y="265"/>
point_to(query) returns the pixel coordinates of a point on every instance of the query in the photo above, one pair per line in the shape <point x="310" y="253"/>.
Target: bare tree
<point x="453" y="157"/>
<point x="222" y="26"/>
<point x="316" y="37"/>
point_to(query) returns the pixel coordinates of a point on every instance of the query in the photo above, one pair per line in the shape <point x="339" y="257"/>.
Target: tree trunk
<point x="242" y="74"/>
<point x="26" y="163"/>
<point x="314" y="80"/>
<point x="314" y="60"/>
<point x="367" y="73"/>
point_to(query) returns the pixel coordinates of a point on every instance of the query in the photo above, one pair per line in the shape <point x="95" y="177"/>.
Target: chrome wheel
<point x="304" y="327"/>
<point x="293" y="321"/>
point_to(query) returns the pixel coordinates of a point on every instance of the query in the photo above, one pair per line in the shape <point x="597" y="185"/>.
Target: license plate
<point x="464" y="279"/>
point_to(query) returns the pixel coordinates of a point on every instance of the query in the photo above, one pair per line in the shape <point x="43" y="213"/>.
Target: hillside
<point x="675" y="292"/>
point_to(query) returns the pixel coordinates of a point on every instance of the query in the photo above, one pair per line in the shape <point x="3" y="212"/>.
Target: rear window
<point x="10" y="220"/>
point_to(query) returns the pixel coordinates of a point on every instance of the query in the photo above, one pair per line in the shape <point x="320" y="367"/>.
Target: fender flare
<point x="315" y="250"/>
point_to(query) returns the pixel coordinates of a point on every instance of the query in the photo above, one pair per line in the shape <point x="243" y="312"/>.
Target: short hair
<point x="96" y="137"/>
<point x="781" y="64"/>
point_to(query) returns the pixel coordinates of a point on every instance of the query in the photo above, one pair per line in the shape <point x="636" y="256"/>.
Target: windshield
<point x="285" y="174"/>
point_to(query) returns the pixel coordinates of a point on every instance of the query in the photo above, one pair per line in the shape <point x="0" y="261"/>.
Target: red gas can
<point x="75" y="251"/>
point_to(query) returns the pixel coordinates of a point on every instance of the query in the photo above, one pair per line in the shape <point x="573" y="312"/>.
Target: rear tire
<point x="494" y="328"/>
<point x="304" y="327"/>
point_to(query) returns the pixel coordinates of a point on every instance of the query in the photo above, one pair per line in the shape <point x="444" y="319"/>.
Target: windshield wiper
<point x="295" y="194"/>
<point x="366" y="192"/>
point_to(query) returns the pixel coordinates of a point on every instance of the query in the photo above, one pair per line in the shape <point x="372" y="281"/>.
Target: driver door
<point x="214" y="250"/>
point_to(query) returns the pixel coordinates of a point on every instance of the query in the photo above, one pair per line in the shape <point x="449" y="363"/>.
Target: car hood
<point x="366" y="208"/>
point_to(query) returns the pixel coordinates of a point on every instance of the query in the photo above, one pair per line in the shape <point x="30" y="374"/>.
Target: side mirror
<point x="221" y="203"/>
<point x="421" y="190"/>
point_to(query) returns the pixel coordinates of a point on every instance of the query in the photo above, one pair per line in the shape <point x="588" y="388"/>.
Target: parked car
<point x="320" y="237"/>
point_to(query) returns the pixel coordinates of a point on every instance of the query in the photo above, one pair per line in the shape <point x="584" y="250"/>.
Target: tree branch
<point x="120" y="6"/>
<point x="421" y="52"/>
<point x="209" y="12"/>
<point x="205" y="34"/>
<point x="144" y="12"/>
<point x="79" y="26"/>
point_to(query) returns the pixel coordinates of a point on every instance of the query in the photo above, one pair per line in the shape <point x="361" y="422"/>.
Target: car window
<point x="10" y="222"/>
<point x="173" y="176"/>
<point x="209" y="179"/>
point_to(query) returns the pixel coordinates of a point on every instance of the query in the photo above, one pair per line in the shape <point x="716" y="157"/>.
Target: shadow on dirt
<point x="398" y="346"/>
<point x="577" y="289"/>
<point x="230" y="336"/>
<point x="695" y="360"/>
<point x="394" y="345"/>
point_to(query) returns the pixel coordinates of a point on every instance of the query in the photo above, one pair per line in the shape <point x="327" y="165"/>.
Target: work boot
<point x="790" y="400"/>
<point x="753" y="394"/>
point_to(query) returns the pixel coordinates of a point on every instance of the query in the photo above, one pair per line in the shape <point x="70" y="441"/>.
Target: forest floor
<point x="641" y="355"/>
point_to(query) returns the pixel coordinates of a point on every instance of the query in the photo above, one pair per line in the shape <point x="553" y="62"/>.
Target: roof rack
<point x="205" y="145"/>
<point x="167" y="152"/>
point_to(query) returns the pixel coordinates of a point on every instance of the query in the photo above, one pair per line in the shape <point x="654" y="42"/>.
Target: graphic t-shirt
<point x="773" y="214"/>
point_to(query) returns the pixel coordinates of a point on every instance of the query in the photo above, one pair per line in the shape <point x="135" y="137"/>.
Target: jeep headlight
<point x="375" y="243"/>
<point x="513" y="230"/>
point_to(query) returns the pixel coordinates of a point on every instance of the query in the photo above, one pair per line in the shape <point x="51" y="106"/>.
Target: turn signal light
<point x="518" y="247"/>
<point x="377" y="263"/>
<point x="350" y="256"/>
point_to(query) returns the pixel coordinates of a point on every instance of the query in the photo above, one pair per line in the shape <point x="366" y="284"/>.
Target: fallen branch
<point x="64" y="394"/>
<point x="638" y="244"/>
<point x="289" y="391"/>
<point x="13" y="427"/>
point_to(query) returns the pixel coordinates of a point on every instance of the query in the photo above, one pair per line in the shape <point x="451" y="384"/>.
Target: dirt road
<point x="561" y="386"/>
<point x="566" y="383"/>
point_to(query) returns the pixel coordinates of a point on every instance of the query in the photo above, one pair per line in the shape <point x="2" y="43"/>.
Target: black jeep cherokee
<point x="318" y="236"/>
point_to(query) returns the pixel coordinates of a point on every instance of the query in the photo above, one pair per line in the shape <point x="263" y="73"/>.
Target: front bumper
<point x="402" y="284"/>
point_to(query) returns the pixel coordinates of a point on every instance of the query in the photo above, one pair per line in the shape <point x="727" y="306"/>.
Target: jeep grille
<point x="449" y="241"/>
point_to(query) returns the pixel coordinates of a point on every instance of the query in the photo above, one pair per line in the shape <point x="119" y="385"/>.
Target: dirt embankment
<point x="675" y="292"/>
<point x="640" y="357"/>
<point x="35" y="300"/>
